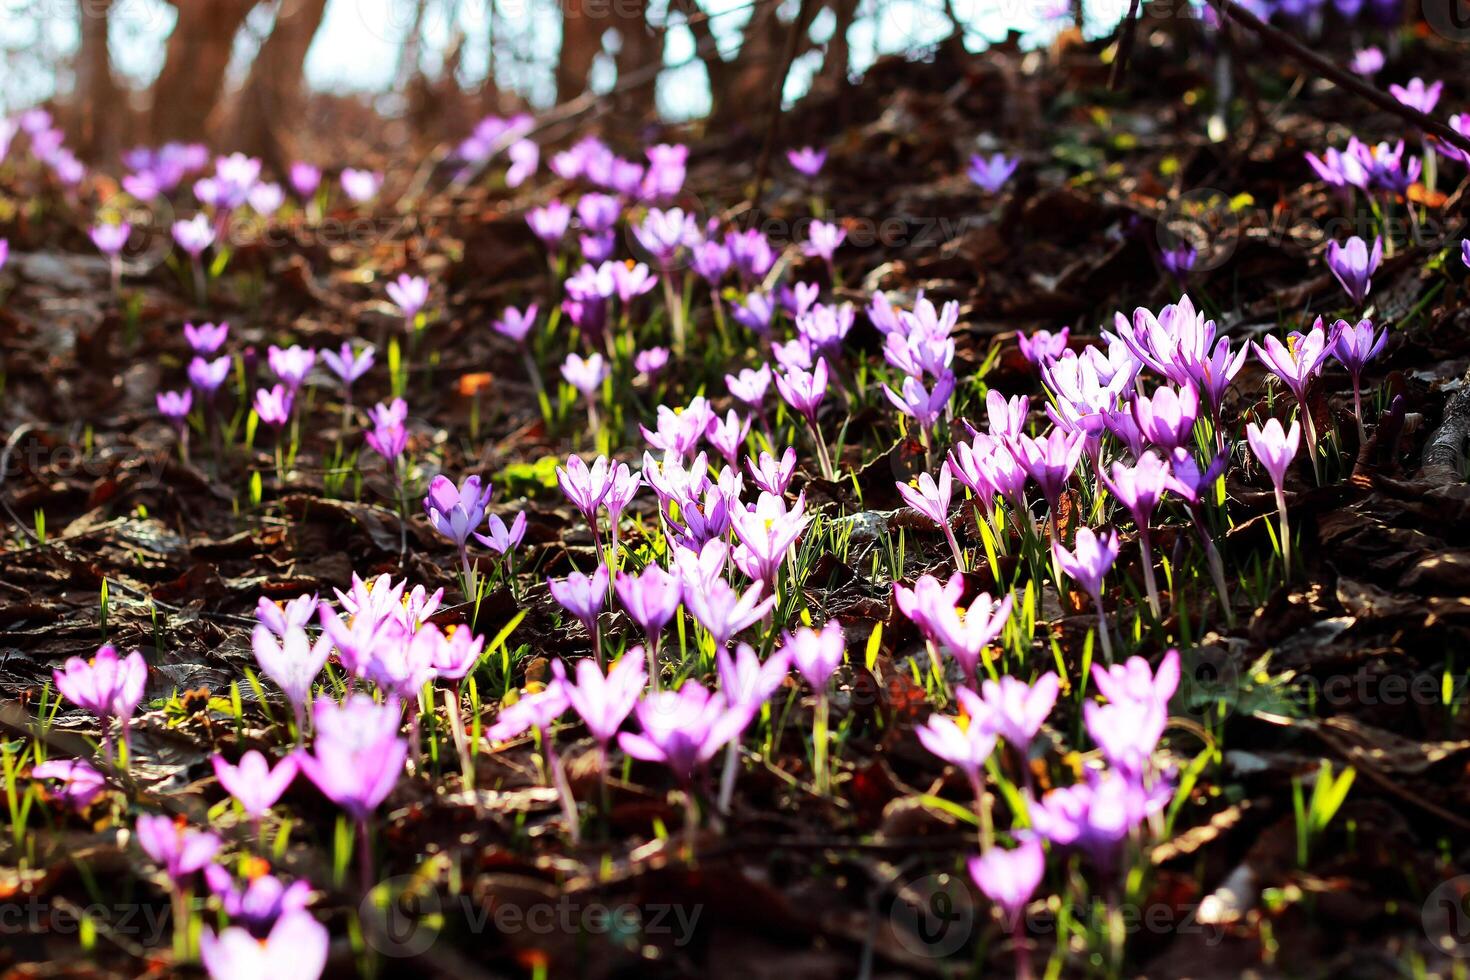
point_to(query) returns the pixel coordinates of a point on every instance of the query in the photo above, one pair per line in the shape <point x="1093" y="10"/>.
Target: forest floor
<point x="1359" y="659"/>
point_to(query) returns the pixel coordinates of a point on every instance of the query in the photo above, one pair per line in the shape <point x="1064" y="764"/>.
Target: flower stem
<point x="727" y="777"/>
<point x="823" y="459"/>
<point x="819" y="745"/>
<point x="1104" y="635"/>
<point x="1148" y="575"/>
<point x="676" y="313"/>
<point x="563" y="789"/>
<point x="1285" y="535"/>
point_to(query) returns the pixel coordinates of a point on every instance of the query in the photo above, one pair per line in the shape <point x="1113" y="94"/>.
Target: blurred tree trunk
<point x="490" y="90"/>
<point x="839" y="53"/>
<point x="270" y="104"/>
<point x="408" y="55"/>
<point x="642" y="47"/>
<point x="582" y="26"/>
<point x="99" y="109"/>
<point x="194" y="65"/>
<point x="762" y="56"/>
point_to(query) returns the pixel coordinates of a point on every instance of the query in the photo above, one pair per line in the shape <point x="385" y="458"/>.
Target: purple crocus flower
<point x="291" y="364"/>
<point x="361" y="186"/>
<point x="501" y="539"/>
<point x="295" y="949"/>
<point x="1355" y="347"/>
<point x="667" y="165"/>
<point x="651" y="361"/>
<point x="80" y="785"/>
<point x="273" y="405"/>
<point x="1096" y="816"/>
<point x="1049" y="460"/>
<point x="1007" y="416"/>
<point x="535" y="710"/>
<point x="1167" y="419"/>
<point x="349" y="365"/>
<point x="293" y="662"/>
<point x="175" y="405"/>
<point x="584" y="374"/>
<point x="388" y="438"/>
<point x="683" y="729"/>
<point x="665" y="234"/>
<point x="1135" y="680"/>
<point x="455" y="512"/>
<point x="755" y="313"/>
<point x="816" y="655"/>
<point x="1354" y="264"/>
<point x="823" y="240"/>
<point x="632" y="280"/>
<point x="107" y="685"/>
<point x="966" y="633"/>
<point x="261" y="903"/>
<point x="358" y="755"/>
<point x="1417" y="95"/>
<point x="598" y="212"/>
<point x="1296" y="363"/>
<point x="772" y="475"/>
<point x="1139" y="488"/>
<point x="1179" y="260"/>
<point x="178" y="850"/>
<point x="1087" y="564"/>
<point x="931" y="498"/>
<point x="1367" y="62"/>
<point x="253" y="783"/>
<point x="626" y="482"/>
<point x="515" y="324"/>
<point x="525" y="157"/>
<point x="807" y="160"/>
<point x="746" y="682"/>
<point x="750" y="386"/>
<point x="583" y="596"/>
<point x="727" y="435"/>
<point x="650" y="599"/>
<point x="803" y="390"/>
<point x="266" y="199"/>
<point x="1016" y="710"/>
<point x="207" y="376"/>
<point x="923" y="405"/>
<point x="410" y="294"/>
<point x="549" y="223"/>
<point x="710" y="260"/>
<point x="1042" y="347"/>
<point x="922" y="602"/>
<point x="604" y="701"/>
<point x="194" y="235"/>
<point x="586" y="487"/>
<point x="992" y="173"/>
<point x="206" y="338"/>
<point x="278" y="617"/>
<point x="110" y="239"/>
<point x="305" y="179"/>
<point x="751" y="252"/>
<point x="965" y="743"/>
<point x="724" y="612"/>
<point x="1275" y="448"/>
<point x="1009" y="878"/>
